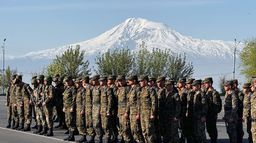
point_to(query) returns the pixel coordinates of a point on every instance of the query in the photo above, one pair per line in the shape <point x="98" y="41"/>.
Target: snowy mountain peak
<point x="133" y="31"/>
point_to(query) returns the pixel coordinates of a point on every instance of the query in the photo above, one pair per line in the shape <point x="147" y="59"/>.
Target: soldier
<point x="172" y="109"/>
<point x="23" y="91"/>
<point x="123" y="121"/>
<point x="199" y="111"/>
<point x="48" y="103"/>
<point x="58" y="102"/>
<point x="33" y="99"/>
<point x="9" y="94"/>
<point x="240" y="132"/>
<point x="88" y="106"/>
<point x="230" y="111"/>
<point x="253" y="109"/>
<point x="214" y="107"/>
<point x="148" y="101"/>
<point x="80" y="110"/>
<point x="247" y="109"/>
<point x="161" y="94"/>
<point x="40" y="116"/>
<point x="133" y="109"/>
<point x="96" y="100"/>
<point x="186" y="124"/>
<point x="69" y="107"/>
<point x="189" y="83"/>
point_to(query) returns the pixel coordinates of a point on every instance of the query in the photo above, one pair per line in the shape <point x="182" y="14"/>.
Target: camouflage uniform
<point x="199" y="110"/>
<point x="247" y="110"/>
<point x="171" y="115"/>
<point x="230" y="113"/>
<point x="123" y="122"/>
<point x="9" y="94"/>
<point x="69" y="107"/>
<point x="214" y="107"/>
<point x="253" y="115"/>
<point x="133" y="109"/>
<point x="148" y="101"/>
<point x="160" y="125"/>
<point x="48" y="104"/>
<point x="80" y="110"/>
<point x="13" y="102"/>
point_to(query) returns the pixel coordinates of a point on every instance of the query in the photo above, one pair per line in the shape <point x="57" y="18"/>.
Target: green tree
<point x="71" y="62"/>
<point x="248" y="59"/>
<point x="8" y="73"/>
<point x="117" y="61"/>
<point x="221" y="84"/>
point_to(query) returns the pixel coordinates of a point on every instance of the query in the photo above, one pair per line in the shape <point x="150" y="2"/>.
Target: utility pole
<point x="3" y="74"/>
<point x="234" y="64"/>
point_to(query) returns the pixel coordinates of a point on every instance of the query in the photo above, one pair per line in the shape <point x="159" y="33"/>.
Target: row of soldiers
<point x="137" y="109"/>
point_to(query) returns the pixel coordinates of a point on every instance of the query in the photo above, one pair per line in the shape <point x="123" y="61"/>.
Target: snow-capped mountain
<point x="209" y="57"/>
<point x="133" y="31"/>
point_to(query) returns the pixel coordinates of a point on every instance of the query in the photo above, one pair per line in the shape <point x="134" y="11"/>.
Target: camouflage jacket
<point x="69" y="97"/>
<point x="148" y="100"/>
<point x="230" y="106"/>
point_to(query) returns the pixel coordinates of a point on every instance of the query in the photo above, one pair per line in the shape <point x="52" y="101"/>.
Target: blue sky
<point x="32" y="25"/>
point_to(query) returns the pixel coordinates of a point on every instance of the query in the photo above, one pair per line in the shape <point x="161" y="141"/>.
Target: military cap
<point x="152" y="79"/>
<point x="143" y="77"/>
<point x="33" y="81"/>
<point x="196" y="82"/>
<point x="96" y="77"/>
<point x="57" y="75"/>
<point x="247" y="85"/>
<point x="77" y="80"/>
<point x="40" y="77"/>
<point x="229" y="82"/>
<point x="111" y="77"/>
<point x="160" y="78"/>
<point x="19" y="77"/>
<point x="190" y="81"/>
<point x="208" y="80"/>
<point x="235" y="81"/>
<point x="182" y="80"/>
<point x="120" y="77"/>
<point x="169" y="82"/>
<point x="102" y="78"/>
<point x="48" y="79"/>
<point x="133" y="77"/>
<point x="87" y="77"/>
<point x="13" y="76"/>
<point x="67" y="78"/>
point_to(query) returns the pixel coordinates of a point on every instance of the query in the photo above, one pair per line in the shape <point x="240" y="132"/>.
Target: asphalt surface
<point x="13" y="136"/>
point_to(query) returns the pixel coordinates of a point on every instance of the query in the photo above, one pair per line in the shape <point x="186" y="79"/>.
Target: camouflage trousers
<point x="97" y="126"/>
<point x="105" y="124"/>
<point x="211" y="127"/>
<point x="231" y="130"/>
<point x="147" y="126"/>
<point x="48" y="111"/>
<point x="70" y="119"/>
<point x="248" y="123"/>
<point x="124" y="127"/>
<point x="80" y="122"/>
<point x="253" y="130"/>
<point x="40" y="116"/>
<point x="27" y="112"/>
<point x="199" y="131"/>
<point x="136" y="129"/>
<point x="15" y="115"/>
<point x="186" y="127"/>
<point x="9" y="114"/>
<point x="20" y="109"/>
<point x="89" y="121"/>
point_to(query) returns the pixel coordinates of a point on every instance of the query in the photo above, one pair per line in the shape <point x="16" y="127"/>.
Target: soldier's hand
<point x="64" y="110"/>
<point x="152" y="117"/>
<point x="82" y="112"/>
<point x="108" y="114"/>
<point x="231" y="119"/>
<point x="126" y="115"/>
<point x="14" y="105"/>
<point x="71" y="110"/>
<point x="175" y="119"/>
<point x="6" y="104"/>
<point x="137" y="117"/>
<point x="203" y="119"/>
<point x="43" y="103"/>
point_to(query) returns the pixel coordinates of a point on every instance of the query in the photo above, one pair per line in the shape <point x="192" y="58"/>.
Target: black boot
<point x="15" y="126"/>
<point x="35" y="127"/>
<point x="76" y="132"/>
<point x="58" y="126"/>
<point x="65" y="139"/>
<point x="91" y="139"/>
<point x="50" y="132"/>
<point x="67" y="132"/>
<point x="8" y="126"/>
<point x="44" y="131"/>
<point x="27" y="128"/>
<point x="71" y="135"/>
<point x="39" y="129"/>
<point x="82" y="140"/>
<point x="21" y="127"/>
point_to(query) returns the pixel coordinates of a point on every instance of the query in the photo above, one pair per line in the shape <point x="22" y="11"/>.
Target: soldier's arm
<point x="83" y="99"/>
<point x="153" y="97"/>
<point x="234" y="104"/>
<point x="50" y="94"/>
<point x="246" y="108"/>
<point x="217" y="101"/>
<point x="8" y="96"/>
<point x="204" y="105"/>
<point x="110" y="100"/>
<point x="73" y="103"/>
<point x="178" y="106"/>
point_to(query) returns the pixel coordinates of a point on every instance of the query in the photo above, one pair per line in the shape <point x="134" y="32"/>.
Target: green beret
<point x="133" y="77"/>
<point x="120" y="77"/>
<point x="190" y="81"/>
<point x="181" y="80"/>
<point x="169" y="82"/>
<point x="111" y="77"/>
<point x="48" y="79"/>
<point x="13" y="76"/>
<point x="40" y="77"/>
<point x="19" y="77"/>
<point x="33" y="81"/>
<point x="96" y="77"/>
<point x="67" y="78"/>
<point x="196" y="82"/>
<point x="160" y="78"/>
<point x="247" y="85"/>
<point x="87" y="78"/>
<point x="143" y="77"/>
<point x="235" y="81"/>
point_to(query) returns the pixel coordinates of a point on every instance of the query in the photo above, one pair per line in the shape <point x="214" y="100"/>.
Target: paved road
<point x="13" y="136"/>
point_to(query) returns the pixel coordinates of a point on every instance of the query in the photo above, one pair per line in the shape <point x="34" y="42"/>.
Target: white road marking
<point x="28" y="133"/>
